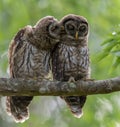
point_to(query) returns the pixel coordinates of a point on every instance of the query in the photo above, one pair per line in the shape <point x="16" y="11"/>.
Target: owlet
<point x="29" y="55"/>
<point x="70" y="57"/>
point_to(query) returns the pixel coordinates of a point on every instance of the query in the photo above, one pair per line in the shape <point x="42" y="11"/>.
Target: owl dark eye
<point x="82" y="28"/>
<point x="70" y="27"/>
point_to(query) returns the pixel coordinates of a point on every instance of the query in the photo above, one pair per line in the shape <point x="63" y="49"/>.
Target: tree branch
<point x="22" y="87"/>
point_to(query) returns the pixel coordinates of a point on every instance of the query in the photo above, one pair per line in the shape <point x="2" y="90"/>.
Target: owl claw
<point x="71" y="79"/>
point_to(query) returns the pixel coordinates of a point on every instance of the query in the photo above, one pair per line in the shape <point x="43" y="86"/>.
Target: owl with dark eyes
<point x="29" y="58"/>
<point x="70" y="57"/>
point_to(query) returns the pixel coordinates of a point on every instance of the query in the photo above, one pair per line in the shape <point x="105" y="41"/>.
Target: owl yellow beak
<point x="76" y="35"/>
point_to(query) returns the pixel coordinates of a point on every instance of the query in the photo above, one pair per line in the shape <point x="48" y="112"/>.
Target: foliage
<point x="103" y="16"/>
<point x="111" y="47"/>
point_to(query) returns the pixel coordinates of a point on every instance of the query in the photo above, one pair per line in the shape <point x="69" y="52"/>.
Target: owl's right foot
<point x="71" y="79"/>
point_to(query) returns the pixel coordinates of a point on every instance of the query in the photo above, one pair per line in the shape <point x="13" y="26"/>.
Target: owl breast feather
<point x="73" y="61"/>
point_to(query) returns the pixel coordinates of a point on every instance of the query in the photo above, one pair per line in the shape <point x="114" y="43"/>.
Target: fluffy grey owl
<point x="70" y="57"/>
<point x="29" y="55"/>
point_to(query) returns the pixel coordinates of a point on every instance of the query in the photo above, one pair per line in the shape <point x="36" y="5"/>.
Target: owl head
<point x="46" y="32"/>
<point x="74" y="30"/>
<point x="47" y="25"/>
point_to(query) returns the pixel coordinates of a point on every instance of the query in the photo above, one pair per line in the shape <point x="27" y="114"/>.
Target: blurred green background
<point x="103" y="17"/>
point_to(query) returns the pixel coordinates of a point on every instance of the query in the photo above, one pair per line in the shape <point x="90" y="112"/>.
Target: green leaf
<point x="107" y="41"/>
<point x="117" y="62"/>
<point x="102" y="56"/>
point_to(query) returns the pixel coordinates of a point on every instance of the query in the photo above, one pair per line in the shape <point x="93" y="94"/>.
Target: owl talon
<point x="71" y="79"/>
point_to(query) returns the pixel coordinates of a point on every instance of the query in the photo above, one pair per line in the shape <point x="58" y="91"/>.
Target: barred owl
<point x="29" y="55"/>
<point x="70" y="57"/>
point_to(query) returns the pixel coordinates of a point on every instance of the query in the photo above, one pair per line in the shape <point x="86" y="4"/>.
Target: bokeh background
<point x="103" y="17"/>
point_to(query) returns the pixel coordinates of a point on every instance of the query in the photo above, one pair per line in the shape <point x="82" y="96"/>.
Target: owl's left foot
<point x="71" y="79"/>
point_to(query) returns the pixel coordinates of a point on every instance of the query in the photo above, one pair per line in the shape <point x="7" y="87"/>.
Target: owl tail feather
<point x="18" y="107"/>
<point x="77" y="111"/>
<point x="75" y="103"/>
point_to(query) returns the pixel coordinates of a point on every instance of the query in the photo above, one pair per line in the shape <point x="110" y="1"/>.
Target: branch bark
<point x="22" y="87"/>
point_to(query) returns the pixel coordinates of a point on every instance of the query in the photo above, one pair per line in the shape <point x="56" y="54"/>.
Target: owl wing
<point x="17" y="106"/>
<point x="14" y="47"/>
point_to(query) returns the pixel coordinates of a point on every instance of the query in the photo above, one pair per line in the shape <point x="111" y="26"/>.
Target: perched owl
<point x="29" y="55"/>
<point x="70" y="57"/>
